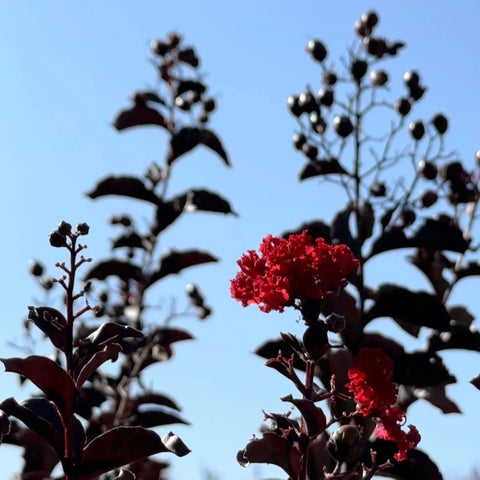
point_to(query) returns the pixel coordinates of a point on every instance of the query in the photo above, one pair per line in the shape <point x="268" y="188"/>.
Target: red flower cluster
<point x="372" y="387"/>
<point x="297" y="268"/>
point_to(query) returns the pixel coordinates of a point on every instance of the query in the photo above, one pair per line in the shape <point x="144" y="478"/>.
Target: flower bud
<point x="335" y="323"/>
<point x="315" y="340"/>
<point x="57" y="240"/>
<point x="83" y="229"/>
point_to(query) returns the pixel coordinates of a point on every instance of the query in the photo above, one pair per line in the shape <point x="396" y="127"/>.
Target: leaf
<point x="271" y="348"/>
<point x="461" y="338"/>
<point x="315" y="228"/>
<point x="117" y="447"/>
<point x="392" y="239"/>
<point x="440" y="234"/>
<point x="110" y="352"/>
<point x="189" y="86"/>
<point x="419" y="308"/>
<point x="175" y="261"/>
<point x="130" y="240"/>
<point x="139" y="114"/>
<point x="49" y="377"/>
<point x="187" y="138"/>
<point x="471" y="269"/>
<point x="125" y="186"/>
<point x="175" y="444"/>
<point x="435" y="394"/>
<point x="147" y="469"/>
<point x="271" y="448"/>
<point x="148" y="96"/>
<point x="313" y="416"/>
<point x="51" y="322"/>
<point x="41" y="417"/>
<point x="421" y="369"/>
<point x="315" y="168"/>
<point x="476" y="382"/>
<point x="167" y="212"/>
<point x="206" y="201"/>
<point x="111" y="332"/>
<point x="122" y="269"/>
<point x="156" y="399"/>
<point x="340" y="230"/>
<point x="156" y="418"/>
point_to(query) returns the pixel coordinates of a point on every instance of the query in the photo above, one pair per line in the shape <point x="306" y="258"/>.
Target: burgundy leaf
<point x="175" y="261"/>
<point x="272" y="448"/>
<point x="204" y="200"/>
<point x="156" y="418"/>
<point x="117" y="447"/>
<point x="147" y="469"/>
<point x="42" y="418"/>
<point x="432" y="263"/>
<point x="51" y="322"/>
<point x="113" y="267"/>
<point x="315" y="228"/>
<point x="436" y="395"/>
<point x="111" y="332"/>
<point x="271" y="348"/>
<point x="49" y="377"/>
<point x="442" y="234"/>
<point x="130" y="240"/>
<point x="391" y="239"/>
<point x="471" y="269"/>
<point x="421" y="369"/>
<point x="156" y="399"/>
<point x="189" y="86"/>
<point x="314" y="168"/>
<point x="187" y="138"/>
<point x="476" y="382"/>
<point x="110" y="352"/>
<point x="314" y="417"/>
<point x="167" y="212"/>
<point x="148" y="96"/>
<point x="419" y="308"/>
<point x="462" y="338"/>
<point x="139" y="114"/>
<point x="125" y="186"/>
<point x="340" y="230"/>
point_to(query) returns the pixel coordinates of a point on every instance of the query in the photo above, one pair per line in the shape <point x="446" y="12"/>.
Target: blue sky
<point x="69" y="67"/>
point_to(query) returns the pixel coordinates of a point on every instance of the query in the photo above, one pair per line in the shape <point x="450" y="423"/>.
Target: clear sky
<point x="68" y="67"/>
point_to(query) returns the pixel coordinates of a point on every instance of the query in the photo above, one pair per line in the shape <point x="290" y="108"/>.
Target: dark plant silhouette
<point x="340" y="133"/>
<point x="117" y="409"/>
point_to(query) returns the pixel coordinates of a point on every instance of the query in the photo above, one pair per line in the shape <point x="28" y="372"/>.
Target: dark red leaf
<point x="389" y="240"/>
<point x="187" y="138"/>
<point x="156" y="418"/>
<point x="167" y="212"/>
<point x="313" y="416"/>
<point x="432" y="263"/>
<point x="156" y="399"/>
<point x="476" y="382"/>
<point x="113" y="267"/>
<point x="419" y="308"/>
<point x="440" y="235"/>
<point x="462" y="338"/>
<point x="139" y="114"/>
<point x="271" y="348"/>
<point x="148" y="469"/>
<point x="315" y="228"/>
<point x="110" y="352"/>
<point x="175" y="261"/>
<point x="204" y="200"/>
<point x="175" y="444"/>
<point x="272" y="448"/>
<point x="148" y="96"/>
<point x="189" y="86"/>
<point x="421" y="369"/>
<point x="315" y="168"/>
<point x="39" y="415"/>
<point x="111" y="332"/>
<point x="125" y="186"/>
<point x="49" y="377"/>
<point x="340" y="230"/>
<point x="130" y="240"/>
<point x="469" y="270"/>
<point x="117" y="447"/>
<point x="51" y="322"/>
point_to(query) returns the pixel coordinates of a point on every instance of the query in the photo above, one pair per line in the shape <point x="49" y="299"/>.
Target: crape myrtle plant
<point x="95" y="420"/>
<point x="404" y="190"/>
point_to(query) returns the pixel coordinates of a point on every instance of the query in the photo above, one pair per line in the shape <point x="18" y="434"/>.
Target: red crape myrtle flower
<point x="297" y="268"/>
<point x="375" y="394"/>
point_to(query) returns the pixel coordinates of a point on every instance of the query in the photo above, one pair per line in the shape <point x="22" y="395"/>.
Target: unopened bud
<point x="344" y="444"/>
<point x="335" y="323"/>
